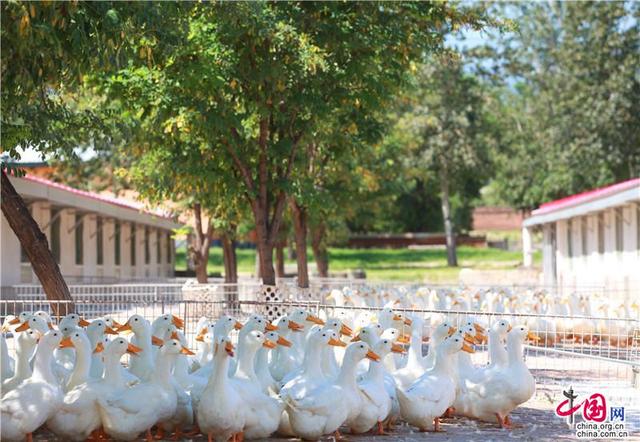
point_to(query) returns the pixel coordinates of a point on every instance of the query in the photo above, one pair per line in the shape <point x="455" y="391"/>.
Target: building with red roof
<point x="591" y="239"/>
<point x="94" y="237"/>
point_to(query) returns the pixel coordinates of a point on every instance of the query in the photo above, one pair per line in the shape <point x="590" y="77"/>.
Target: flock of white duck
<point x="586" y="319"/>
<point x="295" y="377"/>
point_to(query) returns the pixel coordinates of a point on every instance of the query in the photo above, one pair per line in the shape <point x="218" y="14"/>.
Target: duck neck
<point x="80" y="373"/>
<point x="514" y="349"/>
<point x="376" y="370"/>
<point x="42" y="366"/>
<point x="23" y="367"/>
<point x="312" y="364"/>
<point x="347" y="376"/>
<point x="112" y="370"/>
<point x="246" y="362"/>
<point x="464" y="360"/>
<point x="262" y="360"/>
<point x="219" y="375"/>
<point x="181" y="367"/>
<point x="164" y="366"/>
<point x="442" y="364"/>
<point x="496" y="350"/>
<point x="415" y="352"/>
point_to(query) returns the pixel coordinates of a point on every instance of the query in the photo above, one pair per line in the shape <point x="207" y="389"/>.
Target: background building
<point x="95" y="238"/>
<point x="590" y="239"/>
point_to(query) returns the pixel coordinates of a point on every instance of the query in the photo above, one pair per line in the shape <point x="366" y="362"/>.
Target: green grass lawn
<point x="386" y="264"/>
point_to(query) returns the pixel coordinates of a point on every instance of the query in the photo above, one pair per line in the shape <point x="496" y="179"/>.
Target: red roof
<point x="589" y="195"/>
<point x="128" y="204"/>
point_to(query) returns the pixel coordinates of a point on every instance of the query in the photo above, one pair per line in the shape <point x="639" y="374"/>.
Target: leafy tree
<point x="254" y="81"/>
<point x="569" y="99"/>
<point x="446" y="135"/>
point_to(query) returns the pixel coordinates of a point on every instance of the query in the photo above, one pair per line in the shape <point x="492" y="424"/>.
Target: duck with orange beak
<point x="325" y="408"/>
<point x="428" y="398"/>
<point x="142" y="367"/>
<point x="78" y="417"/>
<point x="29" y="405"/>
<point x="504" y="387"/>
<point x="268" y="384"/>
<point x="137" y="409"/>
<point x="284" y="360"/>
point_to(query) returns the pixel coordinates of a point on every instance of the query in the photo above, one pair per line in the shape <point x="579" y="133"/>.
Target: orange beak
<point x="186" y="351"/>
<point x="374" y="357"/>
<point x="66" y="342"/>
<point x="470" y="339"/>
<point x="108" y="330"/>
<point x="336" y="342"/>
<point x="228" y="347"/>
<point x="282" y="341"/>
<point x="509" y="329"/>
<point x="452" y="330"/>
<point x="466" y="347"/>
<point x="133" y="350"/>
<point x="404" y="339"/>
<point x="346" y="331"/>
<point x="178" y="322"/>
<point x="200" y="338"/>
<point x="22" y="327"/>
<point x="83" y="322"/>
<point x="115" y="323"/>
<point x="99" y="348"/>
<point x="174" y="335"/>
<point x="14" y="321"/>
<point x="268" y="344"/>
<point x="295" y="326"/>
<point x="156" y="341"/>
<point x="50" y="326"/>
<point x="397" y="349"/>
<point x="407" y="321"/>
<point x="355" y="339"/>
<point x="237" y="325"/>
<point x="479" y="328"/>
<point x="315" y="319"/>
<point x="533" y="337"/>
<point x="397" y="317"/>
<point x="125" y="327"/>
<point x="480" y="338"/>
<point x="270" y="327"/>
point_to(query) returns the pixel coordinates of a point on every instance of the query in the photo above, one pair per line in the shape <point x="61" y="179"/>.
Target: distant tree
<point x="569" y="99"/>
<point x="444" y="131"/>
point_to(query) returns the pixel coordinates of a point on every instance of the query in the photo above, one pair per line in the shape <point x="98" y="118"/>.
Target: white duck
<point x="376" y="401"/>
<point x="141" y="367"/>
<point x="96" y="332"/>
<point x="7" y="364"/>
<point x="415" y="362"/>
<point x="434" y="392"/>
<point x="78" y="417"/>
<point x="80" y="342"/>
<point x="497" y="353"/>
<point x="26" y="342"/>
<point x="284" y="360"/>
<point x="324" y="409"/>
<point x="221" y="412"/>
<point x="438" y="335"/>
<point x="29" y="405"/>
<point x="128" y="413"/>
<point x="262" y="411"/>
<point x="504" y="387"/>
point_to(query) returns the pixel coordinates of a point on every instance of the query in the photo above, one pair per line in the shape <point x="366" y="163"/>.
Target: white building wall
<point x="141" y="267"/>
<point x="9" y="255"/>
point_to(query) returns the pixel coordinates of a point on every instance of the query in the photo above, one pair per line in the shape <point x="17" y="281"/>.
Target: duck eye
<point x="174" y="344"/>
<point x="135" y="319"/>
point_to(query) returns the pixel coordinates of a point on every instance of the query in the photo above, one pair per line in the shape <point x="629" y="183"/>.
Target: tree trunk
<point x="36" y="247"/>
<point x="320" y="250"/>
<point x="452" y="259"/>
<point x="280" y="273"/>
<point x="300" y="228"/>
<point x="199" y="251"/>
<point x="230" y="259"/>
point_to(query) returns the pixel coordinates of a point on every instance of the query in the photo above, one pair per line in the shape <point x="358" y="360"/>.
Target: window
<point x="147" y="250"/>
<point x="116" y="235"/>
<point x="638" y="228"/>
<point x="584" y="232"/>
<point x="55" y="234"/>
<point x="570" y="238"/>
<point x="99" y="249"/>
<point x="132" y="244"/>
<point x="601" y="233"/>
<point x="619" y="229"/>
<point x="169" y="247"/>
<point x="158" y="248"/>
<point x="79" y="238"/>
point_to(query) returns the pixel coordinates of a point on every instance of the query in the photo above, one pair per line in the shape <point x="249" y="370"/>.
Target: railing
<point x="571" y="347"/>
